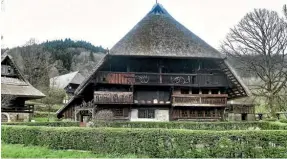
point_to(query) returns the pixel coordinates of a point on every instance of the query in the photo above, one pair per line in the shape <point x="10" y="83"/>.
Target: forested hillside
<point x="39" y="62"/>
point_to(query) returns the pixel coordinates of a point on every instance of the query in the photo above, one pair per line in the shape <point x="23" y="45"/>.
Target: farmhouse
<point x="15" y="90"/>
<point x="68" y="82"/>
<point x="159" y="71"/>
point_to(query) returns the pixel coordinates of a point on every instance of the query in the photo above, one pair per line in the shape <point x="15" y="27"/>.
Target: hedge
<point x="197" y="125"/>
<point x="283" y="120"/>
<point x="154" y="142"/>
<point x="170" y="125"/>
<point x="52" y="124"/>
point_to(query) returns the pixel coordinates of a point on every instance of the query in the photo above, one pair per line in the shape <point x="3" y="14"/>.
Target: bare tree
<point x="36" y="64"/>
<point x="259" y="42"/>
<point x="285" y="11"/>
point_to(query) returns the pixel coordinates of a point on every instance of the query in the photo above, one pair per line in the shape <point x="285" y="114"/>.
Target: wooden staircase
<point x="236" y="88"/>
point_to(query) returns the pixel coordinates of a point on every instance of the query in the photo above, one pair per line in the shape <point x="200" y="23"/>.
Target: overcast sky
<point x="104" y="22"/>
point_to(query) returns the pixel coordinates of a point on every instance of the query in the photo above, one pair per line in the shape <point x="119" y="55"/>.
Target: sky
<point x="105" y="22"/>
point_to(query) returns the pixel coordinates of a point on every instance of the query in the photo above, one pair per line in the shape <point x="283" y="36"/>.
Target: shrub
<point x="52" y="124"/>
<point x="195" y="125"/>
<point x="154" y="142"/>
<point x="283" y="120"/>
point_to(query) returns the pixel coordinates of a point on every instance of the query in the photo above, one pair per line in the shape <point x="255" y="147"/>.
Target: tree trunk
<point x="271" y="105"/>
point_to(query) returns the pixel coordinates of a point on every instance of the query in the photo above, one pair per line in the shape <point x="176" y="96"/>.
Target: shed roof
<point x="17" y="86"/>
<point x="242" y="101"/>
<point x="159" y="34"/>
<point x="64" y="80"/>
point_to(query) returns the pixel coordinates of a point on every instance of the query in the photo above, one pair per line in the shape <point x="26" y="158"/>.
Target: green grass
<point x="20" y="151"/>
<point x="43" y="119"/>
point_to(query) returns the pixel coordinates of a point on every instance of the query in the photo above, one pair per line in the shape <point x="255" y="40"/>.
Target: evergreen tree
<point x="92" y="58"/>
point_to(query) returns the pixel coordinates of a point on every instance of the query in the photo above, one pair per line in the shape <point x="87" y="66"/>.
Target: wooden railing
<point x="105" y="97"/>
<point x="199" y="100"/>
<point x="139" y="78"/>
<point x="27" y="108"/>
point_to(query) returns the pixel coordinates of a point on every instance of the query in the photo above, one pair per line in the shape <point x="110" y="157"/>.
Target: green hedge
<point x="51" y="124"/>
<point x="283" y="120"/>
<point x="154" y="142"/>
<point x="170" y="125"/>
<point x="197" y="125"/>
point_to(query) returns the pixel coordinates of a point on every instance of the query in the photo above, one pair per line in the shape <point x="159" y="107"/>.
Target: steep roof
<point x="159" y="34"/>
<point x="64" y="80"/>
<point x="18" y="86"/>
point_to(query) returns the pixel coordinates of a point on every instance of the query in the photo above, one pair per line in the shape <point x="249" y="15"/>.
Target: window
<point x="146" y="113"/>
<point x="205" y="91"/>
<point x="184" y="113"/>
<point x="118" y="112"/>
<point x="195" y="91"/>
<point x="184" y="91"/>
<point x="200" y="113"/>
<point x="193" y="113"/>
<point x="207" y="113"/>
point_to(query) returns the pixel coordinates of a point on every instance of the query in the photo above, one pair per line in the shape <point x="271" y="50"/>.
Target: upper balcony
<point x="105" y="97"/>
<point x="141" y="78"/>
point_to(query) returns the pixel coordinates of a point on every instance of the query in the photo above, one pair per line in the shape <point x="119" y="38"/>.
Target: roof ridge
<point x="158" y="9"/>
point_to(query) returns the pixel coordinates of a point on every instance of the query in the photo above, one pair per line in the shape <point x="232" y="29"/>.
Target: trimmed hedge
<point x="283" y="120"/>
<point x="219" y="126"/>
<point x="51" y="124"/>
<point x="197" y="125"/>
<point x="154" y="142"/>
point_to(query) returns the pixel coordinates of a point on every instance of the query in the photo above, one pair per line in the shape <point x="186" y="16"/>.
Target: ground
<point x="21" y="151"/>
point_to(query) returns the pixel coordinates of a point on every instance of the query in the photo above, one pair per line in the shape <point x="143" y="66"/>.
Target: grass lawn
<point x="43" y="119"/>
<point x="20" y="151"/>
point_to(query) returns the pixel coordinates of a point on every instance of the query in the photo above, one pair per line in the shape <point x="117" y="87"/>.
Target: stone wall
<point x="17" y="117"/>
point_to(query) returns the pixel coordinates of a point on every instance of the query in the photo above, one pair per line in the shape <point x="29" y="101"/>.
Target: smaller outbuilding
<point x="15" y="91"/>
<point x="241" y="109"/>
<point x="69" y="82"/>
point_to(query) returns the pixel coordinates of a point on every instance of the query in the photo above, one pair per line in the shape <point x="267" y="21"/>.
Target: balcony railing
<point x="138" y="78"/>
<point x="199" y="100"/>
<point x="27" y="108"/>
<point x="104" y="97"/>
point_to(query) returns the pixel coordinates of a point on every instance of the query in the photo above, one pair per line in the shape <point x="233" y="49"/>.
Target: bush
<point x="195" y="125"/>
<point x="52" y="124"/>
<point x="283" y="120"/>
<point x="154" y="142"/>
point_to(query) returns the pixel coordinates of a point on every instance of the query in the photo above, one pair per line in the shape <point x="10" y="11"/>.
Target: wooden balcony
<point x="199" y="100"/>
<point x="105" y="97"/>
<point x="27" y="108"/>
<point x="138" y="78"/>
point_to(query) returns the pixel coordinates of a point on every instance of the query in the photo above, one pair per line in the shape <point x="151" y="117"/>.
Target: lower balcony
<point x="27" y="108"/>
<point x="199" y="100"/>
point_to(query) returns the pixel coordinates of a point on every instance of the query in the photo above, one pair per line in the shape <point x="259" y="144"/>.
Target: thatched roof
<point x="159" y="34"/>
<point x="66" y="79"/>
<point x="17" y="86"/>
<point x="242" y="101"/>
